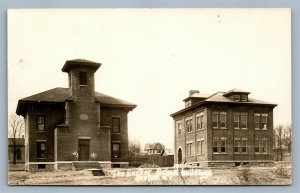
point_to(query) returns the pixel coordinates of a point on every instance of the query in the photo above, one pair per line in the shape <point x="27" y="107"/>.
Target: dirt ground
<point x="280" y="174"/>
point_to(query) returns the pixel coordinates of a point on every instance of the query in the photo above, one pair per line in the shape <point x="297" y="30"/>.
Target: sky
<point x="153" y="57"/>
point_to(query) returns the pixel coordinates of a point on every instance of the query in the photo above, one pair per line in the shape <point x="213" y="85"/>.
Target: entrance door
<point x="179" y="154"/>
<point x="83" y="149"/>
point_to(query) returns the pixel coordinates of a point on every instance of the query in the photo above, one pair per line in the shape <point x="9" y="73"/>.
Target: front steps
<point x="82" y="165"/>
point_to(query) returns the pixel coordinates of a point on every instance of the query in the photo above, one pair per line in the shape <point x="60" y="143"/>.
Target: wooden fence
<point x="162" y="161"/>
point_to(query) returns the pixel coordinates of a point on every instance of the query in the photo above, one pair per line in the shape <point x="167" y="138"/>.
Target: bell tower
<point x="81" y="78"/>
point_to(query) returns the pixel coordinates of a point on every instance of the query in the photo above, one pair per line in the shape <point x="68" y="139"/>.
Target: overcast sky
<point x="153" y="57"/>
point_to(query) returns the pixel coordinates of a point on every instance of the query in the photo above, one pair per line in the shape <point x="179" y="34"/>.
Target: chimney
<point x="191" y="92"/>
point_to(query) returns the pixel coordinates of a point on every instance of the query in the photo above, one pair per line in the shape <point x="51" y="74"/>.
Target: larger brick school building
<point x="68" y="127"/>
<point x="226" y="128"/>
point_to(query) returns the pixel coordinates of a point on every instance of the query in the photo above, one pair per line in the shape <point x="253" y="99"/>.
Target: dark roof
<point x="80" y="62"/>
<point x="60" y="95"/>
<point x="157" y="146"/>
<point x="236" y="90"/>
<point x="220" y="97"/>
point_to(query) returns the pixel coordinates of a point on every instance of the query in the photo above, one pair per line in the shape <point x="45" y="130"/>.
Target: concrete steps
<point x="82" y="165"/>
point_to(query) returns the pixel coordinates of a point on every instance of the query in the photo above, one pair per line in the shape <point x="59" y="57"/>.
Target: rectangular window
<point x="179" y="128"/>
<point x="257" y="144"/>
<point x="200" y="147"/>
<point x="198" y="120"/>
<point x="202" y="121"/>
<point x="261" y="121"/>
<point x="237" y="145"/>
<point x="189" y="149"/>
<point x="116" y="150"/>
<point x="264" y="144"/>
<point x="116" y="125"/>
<point x="189" y="126"/>
<point x="223" y="120"/>
<point x="256" y="121"/>
<point x="244" y="119"/>
<point x="244" y="144"/>
<point x="40" y="122"/>
<point x="41" y="149"/>
<point x="215" y="120"/>
<point x="264" y="121"/>
<point x="215" y="146"/>
<point x="236" y="120"/>
<point x="83" y="78"/>
<point x="223" y="145"/>
<point x="236" y="97"/>
<point x="244" y="98"/>
<point x="261" y="145"/>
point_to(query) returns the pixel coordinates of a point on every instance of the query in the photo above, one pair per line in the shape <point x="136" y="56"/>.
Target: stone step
<point x="86" y="165"/>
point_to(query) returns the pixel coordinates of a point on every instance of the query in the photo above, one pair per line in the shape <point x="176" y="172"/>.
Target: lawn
<point x="280" y="174"/>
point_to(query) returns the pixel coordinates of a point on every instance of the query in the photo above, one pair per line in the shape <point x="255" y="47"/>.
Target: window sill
<point x="43" y="158"/>
<point x="217" y="153"/>
<point x="116" y="132"/>
<point x="223" y="128"/>
<point x="261" y="153"/>
<point x="200" y="129"/>
<point x="189" y="132"/>
<point x="41" y="131"/>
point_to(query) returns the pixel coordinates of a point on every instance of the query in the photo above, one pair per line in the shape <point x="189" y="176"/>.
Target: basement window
<point x="41" y="166"/>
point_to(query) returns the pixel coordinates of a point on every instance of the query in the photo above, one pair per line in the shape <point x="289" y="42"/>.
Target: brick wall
<point x="107" y="113"/>
<point x="230" y="133"/>
<point x="53" y="117"/>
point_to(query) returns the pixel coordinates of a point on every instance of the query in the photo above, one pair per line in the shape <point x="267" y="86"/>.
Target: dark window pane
<point x="116" y="125"/>
<point x="116" y="150"/>
<point x="83" y="78"/>
<point x="215" y="149"/>
<point x="40" y="123"/>
<point x="41" y="147"/>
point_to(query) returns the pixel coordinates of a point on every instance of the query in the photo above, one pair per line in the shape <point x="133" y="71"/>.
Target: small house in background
<point x="19" y="146"/>
<point x="154" y="148"/>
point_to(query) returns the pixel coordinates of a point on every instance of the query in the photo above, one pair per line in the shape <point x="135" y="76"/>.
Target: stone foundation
<point x="40" y="167"/>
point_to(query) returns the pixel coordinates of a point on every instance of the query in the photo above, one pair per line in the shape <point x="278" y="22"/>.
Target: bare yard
<point x="280" y="174"/>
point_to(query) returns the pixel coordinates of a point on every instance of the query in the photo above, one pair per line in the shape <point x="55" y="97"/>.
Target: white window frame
<point x="200" y="141"/>
<point x="200" y="116"/>
<point x="242" y="115"/>
<point x="236" y="97"/>
<point x="225" y="116"/>
<point x="238" y="121"/>
<point x="215" y="113"/>
<point x="189" y="152"/>
<point x="179" y="127"/>
<point x="262" y="123"/>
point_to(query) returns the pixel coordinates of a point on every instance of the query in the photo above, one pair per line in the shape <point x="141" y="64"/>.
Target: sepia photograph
<point x="164" y="96"/>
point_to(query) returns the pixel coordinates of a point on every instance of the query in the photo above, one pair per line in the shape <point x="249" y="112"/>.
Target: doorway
<point x="179" y="155"/>
<point x="83" y="149"/>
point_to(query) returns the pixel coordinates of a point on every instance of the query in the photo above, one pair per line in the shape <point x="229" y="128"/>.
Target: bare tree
<point x="15" y="132"/>
<point x="282" y="140"/>
<point x="134" y="148"/>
